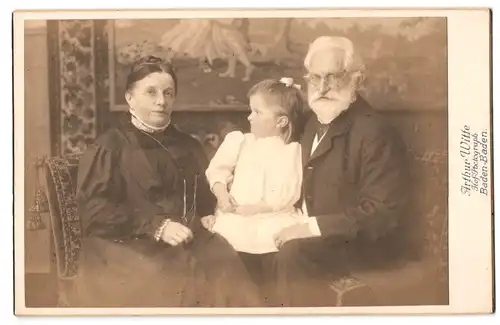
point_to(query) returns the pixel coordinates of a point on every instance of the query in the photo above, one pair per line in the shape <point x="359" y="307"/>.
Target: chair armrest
<point x="59" y="183"/>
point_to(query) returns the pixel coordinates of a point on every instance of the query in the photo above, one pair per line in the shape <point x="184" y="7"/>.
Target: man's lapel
<point x="307" y="139"/>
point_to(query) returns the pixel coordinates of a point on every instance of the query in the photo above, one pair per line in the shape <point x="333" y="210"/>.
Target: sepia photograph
<point x="246" y="161"/>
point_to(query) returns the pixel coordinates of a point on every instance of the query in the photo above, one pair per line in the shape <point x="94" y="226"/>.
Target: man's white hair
<point x="352" y="61"/>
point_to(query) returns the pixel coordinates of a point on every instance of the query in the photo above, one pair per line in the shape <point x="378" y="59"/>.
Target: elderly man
<point x="355" y="179"/>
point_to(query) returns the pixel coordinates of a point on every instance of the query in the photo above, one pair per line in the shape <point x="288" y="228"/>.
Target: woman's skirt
<point x="142" y="273"/>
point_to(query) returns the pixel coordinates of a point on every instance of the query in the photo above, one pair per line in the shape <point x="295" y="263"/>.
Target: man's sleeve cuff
<point x="313" y="226"/>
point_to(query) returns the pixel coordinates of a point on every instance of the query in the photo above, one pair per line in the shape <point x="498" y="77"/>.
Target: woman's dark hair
<point x="291" y="101"/>
<point x="147" y="65"/>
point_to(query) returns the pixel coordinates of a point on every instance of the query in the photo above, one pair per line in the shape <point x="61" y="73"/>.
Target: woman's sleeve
<point x="222" y="165"/>
<point x="102" y="207"/>
<point x="283" y="178"/>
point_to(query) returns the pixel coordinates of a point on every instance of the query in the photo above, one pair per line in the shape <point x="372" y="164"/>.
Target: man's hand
<point x="176" y="233"/>
<point x="296" y="231"/>
<point x="208" y="222"/>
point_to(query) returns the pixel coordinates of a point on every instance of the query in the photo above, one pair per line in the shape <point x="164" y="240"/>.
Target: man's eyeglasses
<point x="332" y="80"/>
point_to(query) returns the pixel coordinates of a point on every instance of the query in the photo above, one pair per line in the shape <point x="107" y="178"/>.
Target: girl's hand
<point x="208" y="222"/>
<point x="176" y="233"/>
<point x="227" y="203"/>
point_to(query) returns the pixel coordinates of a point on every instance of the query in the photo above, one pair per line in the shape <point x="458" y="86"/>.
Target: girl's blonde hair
<point x="289" y="98"/>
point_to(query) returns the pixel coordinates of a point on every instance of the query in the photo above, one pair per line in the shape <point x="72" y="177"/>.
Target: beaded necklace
<point x="185" y="211"/>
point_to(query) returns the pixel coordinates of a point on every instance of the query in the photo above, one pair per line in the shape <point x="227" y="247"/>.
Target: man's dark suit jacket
<point x="356" y="181"/>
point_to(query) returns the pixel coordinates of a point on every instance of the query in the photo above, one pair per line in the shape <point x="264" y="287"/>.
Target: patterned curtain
<point x="79" y="65"/>
<point x="79" y="96"/>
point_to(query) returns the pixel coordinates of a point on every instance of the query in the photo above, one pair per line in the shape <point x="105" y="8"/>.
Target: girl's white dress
<point x="257" y="170"/>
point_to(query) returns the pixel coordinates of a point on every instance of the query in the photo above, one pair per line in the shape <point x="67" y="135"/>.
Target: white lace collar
<point x="141" y="125"/>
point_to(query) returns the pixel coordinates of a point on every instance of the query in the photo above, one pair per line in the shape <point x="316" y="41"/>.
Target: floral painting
<point x="218" y="60"/>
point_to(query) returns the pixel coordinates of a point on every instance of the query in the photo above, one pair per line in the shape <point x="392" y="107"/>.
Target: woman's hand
<point x="208" y="222"/>
<point x="176" y="233"/>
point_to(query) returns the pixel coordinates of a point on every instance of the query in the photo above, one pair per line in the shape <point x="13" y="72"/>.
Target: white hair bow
<point x="289" y="83"/>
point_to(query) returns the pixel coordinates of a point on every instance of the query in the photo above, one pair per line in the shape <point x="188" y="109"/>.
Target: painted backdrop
<point x="405" y="57"/>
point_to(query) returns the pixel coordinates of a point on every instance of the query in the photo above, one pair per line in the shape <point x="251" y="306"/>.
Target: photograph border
<point x="469" y="85"/>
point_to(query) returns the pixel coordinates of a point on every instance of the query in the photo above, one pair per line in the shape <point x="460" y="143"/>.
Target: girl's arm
<point x="222" y="165"/>
<point x="221" y="168"/>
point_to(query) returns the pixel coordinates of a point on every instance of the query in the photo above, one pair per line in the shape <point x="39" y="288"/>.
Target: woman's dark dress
<point x="127" y="185"/>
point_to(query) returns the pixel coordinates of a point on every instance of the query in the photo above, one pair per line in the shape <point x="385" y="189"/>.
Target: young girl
<point x="257" y="176"/>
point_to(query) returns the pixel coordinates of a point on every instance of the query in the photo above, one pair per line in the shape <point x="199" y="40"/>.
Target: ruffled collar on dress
<point x="143" y="126"/>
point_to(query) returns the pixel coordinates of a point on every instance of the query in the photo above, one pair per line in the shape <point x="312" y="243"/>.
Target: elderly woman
<point x="140" y="192"/>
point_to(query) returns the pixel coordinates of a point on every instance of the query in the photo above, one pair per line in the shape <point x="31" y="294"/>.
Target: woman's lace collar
<point x="146" y="127"/>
